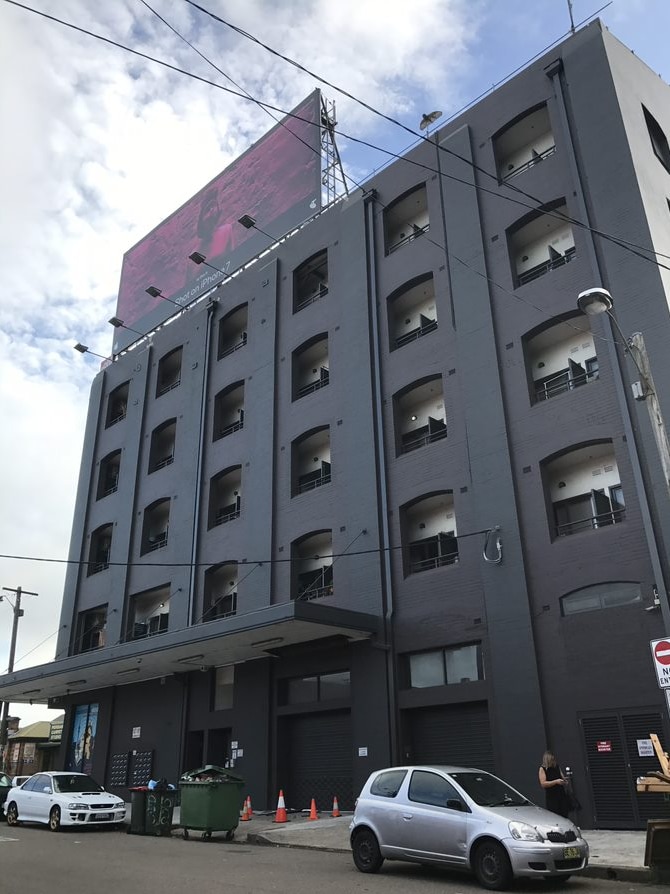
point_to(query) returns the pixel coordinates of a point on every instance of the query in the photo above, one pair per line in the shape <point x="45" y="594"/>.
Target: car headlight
<point x="120" y="806"/>
<point x="76" y="805"/>
<point x="524" y="832"/>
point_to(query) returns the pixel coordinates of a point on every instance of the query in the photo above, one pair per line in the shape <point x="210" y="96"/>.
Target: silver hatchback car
<point x="462" y="818"/>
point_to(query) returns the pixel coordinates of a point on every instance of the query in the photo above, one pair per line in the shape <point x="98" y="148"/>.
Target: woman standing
<point x="554" y="784"/>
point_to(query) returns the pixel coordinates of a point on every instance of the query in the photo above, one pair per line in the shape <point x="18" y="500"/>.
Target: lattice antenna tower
<point x="332" y="176"/>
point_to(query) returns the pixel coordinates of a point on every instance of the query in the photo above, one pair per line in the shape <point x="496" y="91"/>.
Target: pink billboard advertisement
<point x="277" y="182"/>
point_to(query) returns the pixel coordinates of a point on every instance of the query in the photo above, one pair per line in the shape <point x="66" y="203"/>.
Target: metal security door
<point x="450" y="734"/>
<point x="613" y="764"/>
<point x="320" y="762"/>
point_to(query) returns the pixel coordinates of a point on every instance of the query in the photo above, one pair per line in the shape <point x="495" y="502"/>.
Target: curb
<point x="608" y="873"/>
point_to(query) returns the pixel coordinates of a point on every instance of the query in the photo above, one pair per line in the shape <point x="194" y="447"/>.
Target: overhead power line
<point x="629" y="246"/>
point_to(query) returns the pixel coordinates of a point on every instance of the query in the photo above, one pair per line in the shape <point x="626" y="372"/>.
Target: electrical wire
<point x="630" y="246"/>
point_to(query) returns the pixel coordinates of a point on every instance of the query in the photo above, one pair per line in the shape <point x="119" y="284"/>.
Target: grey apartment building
<point x="374" y="500"/>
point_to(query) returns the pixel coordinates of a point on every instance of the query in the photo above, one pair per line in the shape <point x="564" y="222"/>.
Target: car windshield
<point x="76" y="783"/>
<point x="488" y="791"/>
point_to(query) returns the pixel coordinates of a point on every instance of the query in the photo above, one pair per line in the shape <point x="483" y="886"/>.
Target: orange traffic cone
<point x="245" y="814"/>
<point x="280" y="815"/>
<point x="312" y="810"/>
<point x="336" y="807"/>
<point x="250" y="812"/>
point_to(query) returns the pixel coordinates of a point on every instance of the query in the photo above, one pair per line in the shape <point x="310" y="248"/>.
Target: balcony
<point x="108" y="475"/>
<point x="540" y="243"/>
<point x="558" y="260"/>
<point x="169" y="372"/>
<point x="406" y="219"/>
<point x="310" y="461"/>
<point x="524" y="144"/>
<point x="412" y="312"/>
<point x="310" y="371"/>
<point x="220" y="592"/>
<point x="117" y="404"/>
<point x="585" y="490"/>
<point x="100" y="549"/>
<point x="419" y="415"/>
<point x="225" y="501"/>
<point x="560" y="357"/>
<point x="315" y="584"/>
<point x="155" y="526"/>
<point x="433" y="552"/>
<point x="148" y="613"/>
<point x="229" y="411"/>
<point x="233" y="331"/>
<point x="310" y="281"/>
<point x="161" y="451"/>
<point x="429" y="533"/>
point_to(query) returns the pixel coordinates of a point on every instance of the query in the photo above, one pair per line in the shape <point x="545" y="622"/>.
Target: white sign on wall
<point x="645" y="748"/>
<point x="137" y="731"/>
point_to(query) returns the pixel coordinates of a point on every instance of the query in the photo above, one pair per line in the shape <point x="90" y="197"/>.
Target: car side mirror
<point x="455" y="804"/>
<point x="47" y="790"/>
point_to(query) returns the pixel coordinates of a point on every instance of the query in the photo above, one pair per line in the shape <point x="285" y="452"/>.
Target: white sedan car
<point x="63" y="799"/>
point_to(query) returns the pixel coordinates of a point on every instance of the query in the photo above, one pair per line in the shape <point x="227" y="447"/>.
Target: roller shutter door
<point x="451" y="734"/>
<point x="612" y="773"/>
<point x="319" y="759"/>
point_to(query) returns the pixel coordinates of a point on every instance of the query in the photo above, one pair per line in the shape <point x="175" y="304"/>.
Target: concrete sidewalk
<point x="614" y="855"/>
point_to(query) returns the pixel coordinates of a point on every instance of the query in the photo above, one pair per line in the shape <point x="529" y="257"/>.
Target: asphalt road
<point x="34" y="860"/>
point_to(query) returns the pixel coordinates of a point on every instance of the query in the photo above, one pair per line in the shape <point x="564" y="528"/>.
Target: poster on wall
<point x="82" y="743"/>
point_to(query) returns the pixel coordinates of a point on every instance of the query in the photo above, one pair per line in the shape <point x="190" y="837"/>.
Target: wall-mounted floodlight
<point x="247" y="221"/>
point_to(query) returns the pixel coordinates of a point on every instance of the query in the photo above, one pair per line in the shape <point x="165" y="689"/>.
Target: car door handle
<point x="407" y="816"/>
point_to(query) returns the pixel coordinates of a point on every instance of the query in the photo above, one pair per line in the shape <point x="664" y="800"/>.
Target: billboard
<point x="277" y="181"/>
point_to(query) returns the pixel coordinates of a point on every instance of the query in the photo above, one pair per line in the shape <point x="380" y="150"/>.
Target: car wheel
<point x="12" y="815"/>
<point x="366" y="853"/>
<point x="54" y="819"/>
<point x="492" y="866"/>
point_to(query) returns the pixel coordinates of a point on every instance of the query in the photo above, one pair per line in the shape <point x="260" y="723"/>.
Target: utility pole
<point x="18" y="612"/>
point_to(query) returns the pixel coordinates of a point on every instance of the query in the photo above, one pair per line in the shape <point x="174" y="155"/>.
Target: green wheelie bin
<point x="211" y="798"/>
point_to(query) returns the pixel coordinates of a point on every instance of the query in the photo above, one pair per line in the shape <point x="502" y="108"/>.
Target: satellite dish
<point x="429" y="118"/>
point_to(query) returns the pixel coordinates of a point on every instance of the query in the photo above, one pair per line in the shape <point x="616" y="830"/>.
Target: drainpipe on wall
<point x="198" y="469"/>
<point x="387" y="583"/>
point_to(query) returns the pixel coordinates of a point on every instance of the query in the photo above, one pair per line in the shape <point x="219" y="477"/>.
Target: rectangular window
<point x="317" y="688"/>
<point x="460" y="664"/>
<point x="224" y="680"/>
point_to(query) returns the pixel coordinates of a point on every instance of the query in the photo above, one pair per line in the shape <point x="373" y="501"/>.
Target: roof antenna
<point x="572" y="21"/>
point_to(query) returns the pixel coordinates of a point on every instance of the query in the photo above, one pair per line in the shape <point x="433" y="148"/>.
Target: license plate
<point x="571" y="853"/>
<point x="108" y="816"/>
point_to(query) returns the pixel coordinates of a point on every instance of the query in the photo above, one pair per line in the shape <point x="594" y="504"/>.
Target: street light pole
<point x="18" y="613"/>
<point x="599" y="301"/>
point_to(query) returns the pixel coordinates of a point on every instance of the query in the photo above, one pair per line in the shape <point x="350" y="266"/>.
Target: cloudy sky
<point x="100" y="145"/>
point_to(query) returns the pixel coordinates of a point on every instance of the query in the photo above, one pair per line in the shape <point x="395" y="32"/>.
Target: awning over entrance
<point x="217" y="643"/>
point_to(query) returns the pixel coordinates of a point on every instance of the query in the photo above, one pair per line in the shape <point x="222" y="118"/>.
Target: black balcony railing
<point x="315" y="584"/>
<point x="157" y="542"/>
<point x="433" y="562"/>
<point x="226" y="514"/>
<point x="221" y="607"/>
<point x="530" y="164"/>
<point x="419" y="437"/>
<point x="236" y="347"/>
<point x="229" y="429"/>
<point x="99" y="565"/>
<point x="161" y="463"/>
<point x="420" y="331"/>
<point x="416" y="232"/>
<point x="562" y="382"/>
<point x="164" y="387"/>
<point x="310" y="387"/>
<point x="312" y="480"/>
<point x="541" y="269"/>
<point x="306" y="300"/>
<point x="604" y="520"/>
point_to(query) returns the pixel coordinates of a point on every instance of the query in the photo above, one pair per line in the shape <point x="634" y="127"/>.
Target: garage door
<point x="450" y="734"/>
<point x="319" y="760"/>
<point x="614" y="763"/>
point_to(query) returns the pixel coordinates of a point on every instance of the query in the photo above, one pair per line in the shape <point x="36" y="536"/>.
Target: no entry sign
<point x="660" y="650"/>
